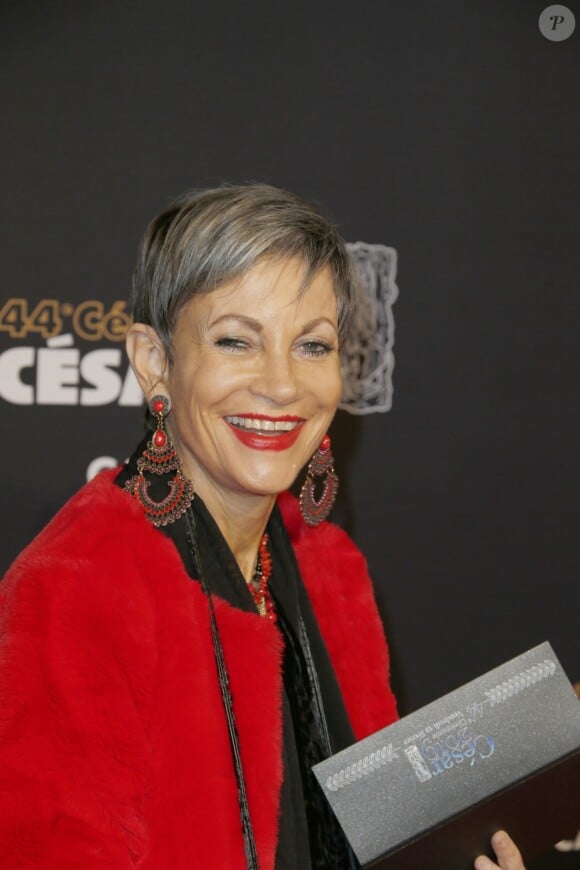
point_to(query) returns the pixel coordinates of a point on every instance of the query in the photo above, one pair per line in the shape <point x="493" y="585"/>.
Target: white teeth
<point x="262" y="425"/>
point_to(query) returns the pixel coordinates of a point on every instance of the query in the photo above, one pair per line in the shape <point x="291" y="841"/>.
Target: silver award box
<point x="502" y="751"/>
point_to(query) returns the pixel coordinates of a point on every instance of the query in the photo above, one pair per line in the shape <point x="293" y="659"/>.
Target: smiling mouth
<point x="265" y="425"/>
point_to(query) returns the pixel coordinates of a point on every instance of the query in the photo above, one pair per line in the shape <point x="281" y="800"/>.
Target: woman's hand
<point x="507" y="853"/>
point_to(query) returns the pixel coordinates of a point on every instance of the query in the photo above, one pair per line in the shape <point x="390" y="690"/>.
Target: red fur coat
<point x="114" y="750"/>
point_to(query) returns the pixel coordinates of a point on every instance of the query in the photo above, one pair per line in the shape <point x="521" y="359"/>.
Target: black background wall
<point x="449" y="131"/>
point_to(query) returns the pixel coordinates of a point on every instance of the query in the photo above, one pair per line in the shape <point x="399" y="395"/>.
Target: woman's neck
<point x="242" y="519"/>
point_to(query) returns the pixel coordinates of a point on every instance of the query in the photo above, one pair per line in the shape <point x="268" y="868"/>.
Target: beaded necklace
<point x="258" y="585"/>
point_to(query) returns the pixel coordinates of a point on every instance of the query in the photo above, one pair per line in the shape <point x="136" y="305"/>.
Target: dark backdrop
<point x="448" y="131"/>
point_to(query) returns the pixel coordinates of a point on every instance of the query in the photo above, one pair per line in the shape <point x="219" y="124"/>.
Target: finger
<point x="508" y="854"/>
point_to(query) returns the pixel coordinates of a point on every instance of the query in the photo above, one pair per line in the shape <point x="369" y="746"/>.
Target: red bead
<point x="159" y="406"/>
<point x="325" y="443"/>
<point x="160" y="438"/>
<point x="260" y="593"/>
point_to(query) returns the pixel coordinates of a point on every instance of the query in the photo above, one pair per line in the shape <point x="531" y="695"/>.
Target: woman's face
<point x="255" y="380"/>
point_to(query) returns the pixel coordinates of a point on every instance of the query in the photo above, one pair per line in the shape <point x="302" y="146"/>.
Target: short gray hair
<point x="209" y="237"/>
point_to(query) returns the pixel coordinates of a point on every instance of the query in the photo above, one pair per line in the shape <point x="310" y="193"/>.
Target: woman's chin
<point x="268" y="486"/>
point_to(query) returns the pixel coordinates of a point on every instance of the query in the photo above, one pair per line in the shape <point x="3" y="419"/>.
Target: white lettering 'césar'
<point x="100" y="463"/>
<point x="59" y="375"/>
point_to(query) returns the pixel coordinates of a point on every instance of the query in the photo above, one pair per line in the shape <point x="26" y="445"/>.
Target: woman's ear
<point x="148" y="358"/>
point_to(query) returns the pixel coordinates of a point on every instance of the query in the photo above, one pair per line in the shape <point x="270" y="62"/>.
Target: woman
<point x="185" y="640"/>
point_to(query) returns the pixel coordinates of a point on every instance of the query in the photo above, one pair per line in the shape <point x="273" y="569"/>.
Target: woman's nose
<point x="277" y="379"/>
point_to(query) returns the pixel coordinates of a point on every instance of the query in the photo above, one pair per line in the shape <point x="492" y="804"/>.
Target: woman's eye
<point x="316" y="348"/>
<point x="232" y="344"/>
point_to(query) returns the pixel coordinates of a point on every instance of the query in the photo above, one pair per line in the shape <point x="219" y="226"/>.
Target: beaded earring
<point x="160" y="458"/>
<point x="314" y="510"/>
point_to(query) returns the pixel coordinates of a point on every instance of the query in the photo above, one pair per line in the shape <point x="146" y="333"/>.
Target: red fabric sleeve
<point x="75" y="678"/>
<point x="336" y="578"/>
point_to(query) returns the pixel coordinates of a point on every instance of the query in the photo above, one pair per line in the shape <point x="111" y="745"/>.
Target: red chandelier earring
<point x="160" y="458"/>
<point x="314" y="510"/>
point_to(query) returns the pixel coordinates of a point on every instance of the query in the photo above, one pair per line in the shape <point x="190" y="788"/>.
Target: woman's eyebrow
<point x="251" y="322"/>
<point x="312" y="324"/>
<point x="254" y="324"/>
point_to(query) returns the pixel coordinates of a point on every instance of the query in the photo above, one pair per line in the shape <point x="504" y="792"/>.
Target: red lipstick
<point x="272" y="440"/>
